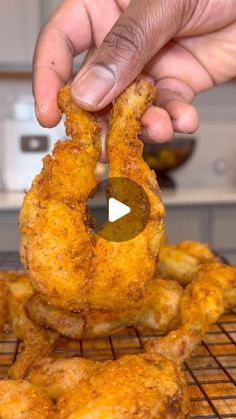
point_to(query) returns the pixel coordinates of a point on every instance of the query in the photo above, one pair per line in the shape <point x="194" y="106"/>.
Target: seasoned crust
<point x="69" y="266"/>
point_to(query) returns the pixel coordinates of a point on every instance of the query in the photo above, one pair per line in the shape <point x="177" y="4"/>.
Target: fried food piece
<point x="37" y="341"/>
<point x="181" y="261"/>
<point x="7" y="278"/>
<point x="134" y="386"/>
<point x="56" y="244"/>
<point x="158" y="311"/>
<point x="202" y="303"/>
<point x="230" y="299"/>
<point x="3" y="304"/>
<point x="57" y="376"/>
<point x="70" y="266"/>
<point x="128" y="266"/>
<point x="22" y="400"/>
<point x="19" y="292"/>
<point x="200" y="251"/>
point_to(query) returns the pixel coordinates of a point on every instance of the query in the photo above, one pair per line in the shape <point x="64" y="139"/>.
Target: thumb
<point x="140" y="32"/>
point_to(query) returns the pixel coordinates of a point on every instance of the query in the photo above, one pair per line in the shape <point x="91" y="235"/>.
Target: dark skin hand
<point x="186" y="46"/>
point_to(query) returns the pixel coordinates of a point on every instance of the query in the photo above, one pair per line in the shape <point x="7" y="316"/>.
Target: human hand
<point x="185" y="46"/>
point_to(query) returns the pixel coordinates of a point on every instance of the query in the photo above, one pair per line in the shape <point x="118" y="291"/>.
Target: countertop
<point x="176" y="197"/>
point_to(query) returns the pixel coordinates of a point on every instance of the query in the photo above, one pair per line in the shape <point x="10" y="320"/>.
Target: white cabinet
<point x="20" y="23"/>
<point x="9" y="231"/>
<point x="224" y="228"/>
<point x="184" y="223"/>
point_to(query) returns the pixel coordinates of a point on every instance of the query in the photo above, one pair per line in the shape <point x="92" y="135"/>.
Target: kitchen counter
<point x="10" y="201"/>
<point x="199" y="196"/>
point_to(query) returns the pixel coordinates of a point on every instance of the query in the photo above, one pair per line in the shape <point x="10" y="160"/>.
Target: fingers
<point x="157" y="125"/>
<point x="173" y="113"/>
<point x="142" y="29"/>
<point x="67" y="33"/>
<point x="183" y="115"/>
<point x="73" y="28"/>
<point x="45" y="94"/>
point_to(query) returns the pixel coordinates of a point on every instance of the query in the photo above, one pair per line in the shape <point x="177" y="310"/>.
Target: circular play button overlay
<point x="125" y="209"/>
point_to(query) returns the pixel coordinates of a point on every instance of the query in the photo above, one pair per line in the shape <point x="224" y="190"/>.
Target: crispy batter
<point x="134" y="386"/>
<point x="22" y="400"/>
<point x="200" y="251"/>
<point x="230" y="299"/>
<point x="37" y="341"/>
<point x="202" y="303"/>
<point x="157" y="311"/>
<point x="65" y="322"/>
<point x="3" y="305"/>
<point x="181" y="261"/>
<point x="6" y="279"/>
<point x="57" y="376"/>
<point x="143" y="386"/>
<point x="56" y="243"/>
<point x="69" y="266"/>
<point x="19" y="292"/>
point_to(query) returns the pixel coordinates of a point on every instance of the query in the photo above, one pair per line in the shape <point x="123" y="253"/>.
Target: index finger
<point x="65" y="35"/>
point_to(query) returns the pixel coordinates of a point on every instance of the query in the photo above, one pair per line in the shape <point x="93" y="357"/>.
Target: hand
<point x="186" y="46"/>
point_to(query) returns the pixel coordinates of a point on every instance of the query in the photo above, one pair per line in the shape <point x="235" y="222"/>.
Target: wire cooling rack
<point x="211" y="371"/>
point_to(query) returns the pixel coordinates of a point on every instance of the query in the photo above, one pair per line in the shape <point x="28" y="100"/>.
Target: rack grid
<point x="211" y="371"/>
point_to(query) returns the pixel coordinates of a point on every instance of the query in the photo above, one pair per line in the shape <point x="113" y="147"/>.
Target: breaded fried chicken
<point x="69" y="265"/>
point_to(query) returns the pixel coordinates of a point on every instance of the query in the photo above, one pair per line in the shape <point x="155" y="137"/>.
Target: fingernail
<point x="93" y="85"/>
<point x="40" y="110"/>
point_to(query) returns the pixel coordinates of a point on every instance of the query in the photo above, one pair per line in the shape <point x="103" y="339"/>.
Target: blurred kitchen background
<point x="200" y="195"/>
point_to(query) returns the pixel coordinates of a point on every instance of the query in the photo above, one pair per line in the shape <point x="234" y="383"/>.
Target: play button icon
<point x="118" y="209"/>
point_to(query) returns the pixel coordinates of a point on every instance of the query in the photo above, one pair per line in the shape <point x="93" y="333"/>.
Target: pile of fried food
<point x="79" y="285"/>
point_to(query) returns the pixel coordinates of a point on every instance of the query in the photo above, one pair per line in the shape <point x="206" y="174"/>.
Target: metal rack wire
<point x="211" y="371"/>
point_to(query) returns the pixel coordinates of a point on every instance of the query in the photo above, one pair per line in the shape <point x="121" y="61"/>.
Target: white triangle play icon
<point x="116" y="210"/>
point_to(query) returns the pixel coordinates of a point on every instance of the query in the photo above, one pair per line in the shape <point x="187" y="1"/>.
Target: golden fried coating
<point x="200" y="251"/>
<point x="202" y="303"/>
<point x="57" y="376"/>
<point x="157" y="311"/>
<point x="22" y="400"/>
<point x="3" y="304"/>
<point x="19" y="292"/>
<point x="65" y="322"/>
<point x="230" y="299"/>
<point x="8" y="278"/>
<point x="134" y="386"/>
<point x="56" y="243"/>
<point x="70" y="266"/>
<point x="181" y="261"/>
<point x="37" y="341"/>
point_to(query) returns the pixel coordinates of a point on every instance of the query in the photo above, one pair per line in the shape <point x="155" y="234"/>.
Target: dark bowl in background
<point x="163" y="158"/>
